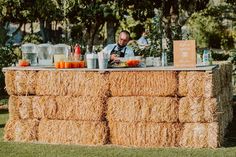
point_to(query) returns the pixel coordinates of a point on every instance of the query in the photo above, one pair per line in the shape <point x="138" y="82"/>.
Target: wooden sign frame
<point x="185" y="53"/>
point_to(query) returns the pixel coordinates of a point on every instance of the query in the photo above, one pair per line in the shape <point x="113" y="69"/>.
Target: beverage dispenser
<point x="29" y="52"/>
<point x="61" y="52"/>
<point x="45" y="54"/>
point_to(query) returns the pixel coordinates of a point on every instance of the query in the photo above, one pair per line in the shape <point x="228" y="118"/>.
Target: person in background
<point x="142" y="41"/>
<point x="120" y="49"/>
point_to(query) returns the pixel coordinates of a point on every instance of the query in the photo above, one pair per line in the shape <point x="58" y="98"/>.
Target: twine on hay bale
<point x="201" y="135"/>
<point x="137" y="109"/>
<point x="143" y="134"/>
<point x="21" y="130"/>
<point x="72" y="132"/>
<point x="160" y="83"/>
<point x="71" y="83"/>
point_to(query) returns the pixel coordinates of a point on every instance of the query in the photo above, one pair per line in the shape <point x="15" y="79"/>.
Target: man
<point x="142" y="41"/>
<point x="120" y="49"/>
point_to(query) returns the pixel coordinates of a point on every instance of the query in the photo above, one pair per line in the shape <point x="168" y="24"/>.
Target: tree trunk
<point x="110" y="32"/>
<point x="48" y="30"/>
<point x="172" y="30"/>
<point x="42" y="30"/>
<point x="31" y="27"/>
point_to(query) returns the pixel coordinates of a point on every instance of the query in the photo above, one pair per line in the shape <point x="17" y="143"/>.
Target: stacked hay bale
<point x="205" y="106"/>
<point x="65" y="107"/>
<point x="169" y="109"/>
<point x="143" y="109"/>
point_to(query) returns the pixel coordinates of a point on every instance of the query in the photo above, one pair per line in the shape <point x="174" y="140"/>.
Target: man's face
<point x="123" y="39"/>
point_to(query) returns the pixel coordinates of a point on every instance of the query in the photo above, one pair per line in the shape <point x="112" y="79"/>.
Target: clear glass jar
<point x="61" y="52"/>
<point x="45" y="56"/>
<point x="29" y="52"/>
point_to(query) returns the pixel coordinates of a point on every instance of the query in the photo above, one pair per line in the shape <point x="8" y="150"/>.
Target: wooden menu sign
<point x="185" y="53"/>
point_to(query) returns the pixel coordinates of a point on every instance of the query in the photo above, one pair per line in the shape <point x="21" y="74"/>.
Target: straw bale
<point x="201" y="135"/>
<point x="72" y="132"/>
<point x="21" y="130"/>
<point x="44" y="107"/>
<point x="158" y="83"/>
<point x="69" y="108"/>
<point x="71" y="83"/>
<point x="89" y="84"/>
<point x="136" y="109"/>
<point x="212" y="83"/>
<point x="199" y="84"/>
<point x="143" y="134"/>
<point x="127" y="134"/>
<point x="20" y="107"/>
<point x="25" y="82"/>
<point x="61" y="107"/>
<point x="9" y="81"/>
<point x="192" y="84"/>
<point x="198" y="109"/>
<point x="163" y="134"/>
<point x="80" y="108"/>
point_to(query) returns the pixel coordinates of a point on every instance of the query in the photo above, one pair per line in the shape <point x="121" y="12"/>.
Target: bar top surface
<point x="166" y="68"/>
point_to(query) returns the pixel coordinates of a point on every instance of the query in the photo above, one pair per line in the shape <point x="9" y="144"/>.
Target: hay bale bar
<point x="134" y="107"/>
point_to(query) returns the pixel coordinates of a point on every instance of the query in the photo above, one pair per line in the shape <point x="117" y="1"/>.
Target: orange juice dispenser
<point x="61" y="52"/>
<point x="45" y="54"/>
<point x="29" y="52"/>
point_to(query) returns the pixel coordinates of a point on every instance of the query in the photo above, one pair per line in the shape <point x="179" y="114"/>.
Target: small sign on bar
<point x="185" y="53"/>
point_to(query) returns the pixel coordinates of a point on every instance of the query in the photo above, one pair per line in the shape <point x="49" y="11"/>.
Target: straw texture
<point x="200" y="135"/>
<point x="143" y="134"/>
<point x="60" y="108"/>
<point x="71" y="83"/>
<point x="161" y="83"/>
<point x="20" y="82"/>
<point x="72" y="132"/>
<point x="21" y="130"/>
<point x="136" y="109"/>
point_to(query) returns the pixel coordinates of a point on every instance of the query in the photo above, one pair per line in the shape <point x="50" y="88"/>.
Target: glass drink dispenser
<point x="29" y="52"/>
<point x="45" y="54"/>
<point x="61" y="52"/>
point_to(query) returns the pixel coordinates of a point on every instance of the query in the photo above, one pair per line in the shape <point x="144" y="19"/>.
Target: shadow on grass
<point x="230" y="137"/>
<point x="3" y="111"/>
<point x="2" y="125"/>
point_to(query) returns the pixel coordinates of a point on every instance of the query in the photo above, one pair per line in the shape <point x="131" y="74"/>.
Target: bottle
<point x="205" y="57"/>
<point x="164" y="59"/>
<point x="210" y="58"/>
<point x="77" y="53"/>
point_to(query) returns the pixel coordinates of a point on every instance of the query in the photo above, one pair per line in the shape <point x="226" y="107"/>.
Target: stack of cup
<point x="91" y="59"/>
<point x="102" y="60"/>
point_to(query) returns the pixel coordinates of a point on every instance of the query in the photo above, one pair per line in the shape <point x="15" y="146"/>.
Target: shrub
<point x="7" y="58"/>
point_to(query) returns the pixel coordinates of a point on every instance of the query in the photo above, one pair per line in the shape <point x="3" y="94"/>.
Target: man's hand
<point x="114" y="58"/>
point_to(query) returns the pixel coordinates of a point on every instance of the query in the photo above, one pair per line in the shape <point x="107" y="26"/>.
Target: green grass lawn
<point x="14" y="149"/>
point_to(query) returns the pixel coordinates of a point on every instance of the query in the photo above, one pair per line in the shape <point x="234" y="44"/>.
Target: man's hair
<point x="126" y="32"/>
